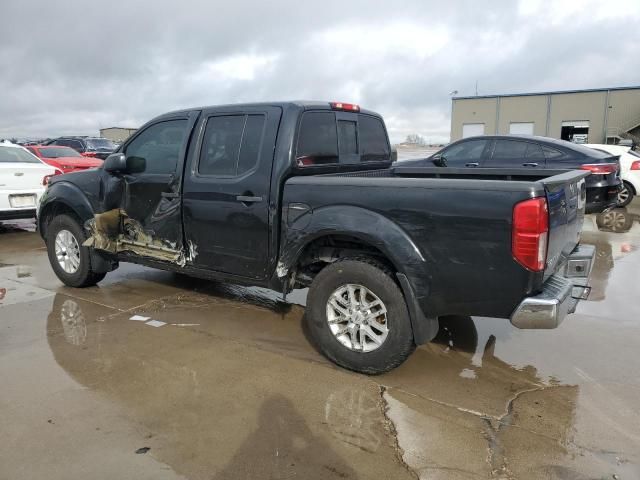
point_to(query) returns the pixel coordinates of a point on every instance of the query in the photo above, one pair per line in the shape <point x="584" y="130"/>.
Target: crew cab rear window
<point x="318" y="139"/>
<point x="325" y="140"/>
<point x="231" y="145"/>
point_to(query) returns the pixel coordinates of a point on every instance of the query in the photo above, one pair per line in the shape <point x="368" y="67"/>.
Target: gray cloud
<point x="75" y="66"/>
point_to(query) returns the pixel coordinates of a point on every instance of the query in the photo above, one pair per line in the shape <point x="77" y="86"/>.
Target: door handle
<point x="529" y="164"/>
<point x="248" y="199"/>
<point x="170" y="195"/>
<point x="472" y="164"/>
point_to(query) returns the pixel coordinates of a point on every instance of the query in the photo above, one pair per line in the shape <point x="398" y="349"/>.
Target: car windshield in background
<point x="100" y="144"/>
<point x="57" y="152"/>
<point x="634" y="153"/>
<point x="16" y="155"/>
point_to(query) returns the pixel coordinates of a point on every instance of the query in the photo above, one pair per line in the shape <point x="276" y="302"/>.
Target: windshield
<point x="634" y="153"/>
<point x="100" y="144"/>
<point x="57" y="152"/>
<point x="17" y="155"/>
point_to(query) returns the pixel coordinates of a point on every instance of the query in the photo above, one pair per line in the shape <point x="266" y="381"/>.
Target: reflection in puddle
<point x="73" y="322"/>
<point x="353" y="415"/>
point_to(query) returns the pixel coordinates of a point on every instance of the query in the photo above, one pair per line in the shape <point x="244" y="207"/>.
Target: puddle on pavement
<point x="242" y="379"/>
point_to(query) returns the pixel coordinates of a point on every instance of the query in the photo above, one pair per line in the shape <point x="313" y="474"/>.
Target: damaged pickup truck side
<point x="304" y="194"/>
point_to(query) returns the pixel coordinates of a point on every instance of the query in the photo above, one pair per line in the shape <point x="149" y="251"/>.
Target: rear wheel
<point x="70" y="261"/>
<point x="358" y="316"/>
<point x="625" y="195"/>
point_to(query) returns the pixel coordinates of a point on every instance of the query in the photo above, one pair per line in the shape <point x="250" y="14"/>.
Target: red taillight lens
<point x="89" y="154"/>
<point x="349" y="107"/>
<point x="600" y="168"/>
<point x="635" y="165"/>
<point x="530" y="233"/>
<point x="45" y="180"/>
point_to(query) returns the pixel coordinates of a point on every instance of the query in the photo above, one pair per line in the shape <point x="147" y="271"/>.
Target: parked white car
<point x="23" y="179"/>
<point x="629" y="170"/>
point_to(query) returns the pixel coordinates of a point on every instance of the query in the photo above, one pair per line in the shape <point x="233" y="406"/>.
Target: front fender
<point x="67" y="194"/>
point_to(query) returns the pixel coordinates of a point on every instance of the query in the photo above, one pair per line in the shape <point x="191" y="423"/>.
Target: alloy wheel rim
<point x="67" y="251"/>
<point x="357" y="318"/>
<point x="623" y="195"/>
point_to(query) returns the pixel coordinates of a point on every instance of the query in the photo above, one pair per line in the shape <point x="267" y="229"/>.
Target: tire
<point x="625" y="195"/>
<point x="82" y="276"/>
<point x="366" y="356"/>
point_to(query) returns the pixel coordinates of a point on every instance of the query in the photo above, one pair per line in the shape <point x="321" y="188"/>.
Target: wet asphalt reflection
<point x="226" y="383"/>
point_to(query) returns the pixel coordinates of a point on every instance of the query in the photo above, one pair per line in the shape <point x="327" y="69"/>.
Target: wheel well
<point x="325" y="250"/>
<point x="53" y="210"/>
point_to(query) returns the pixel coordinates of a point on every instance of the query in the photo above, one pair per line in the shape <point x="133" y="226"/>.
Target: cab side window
<point x="231" y="145"/>
<point x="159" y="145"/>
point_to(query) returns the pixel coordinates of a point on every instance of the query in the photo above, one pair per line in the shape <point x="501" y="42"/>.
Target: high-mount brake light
<point x="530" y="232"/>
<point x="347" y="107"/>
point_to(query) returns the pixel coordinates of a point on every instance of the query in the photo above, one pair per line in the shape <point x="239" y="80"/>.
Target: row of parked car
<point x="26" y="170"/>
<point x="614" y="179"/>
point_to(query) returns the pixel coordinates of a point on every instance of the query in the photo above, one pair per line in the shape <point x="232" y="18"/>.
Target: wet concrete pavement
<point x="231" y="387"/>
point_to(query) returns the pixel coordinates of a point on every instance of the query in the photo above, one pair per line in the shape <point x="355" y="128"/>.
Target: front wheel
<point x="71" y="262"/>
<point x="358" y="316"/>
<point x="625" y="195"/>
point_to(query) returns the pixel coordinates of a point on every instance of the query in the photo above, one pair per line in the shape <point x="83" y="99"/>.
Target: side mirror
<point x="115" y="163"/>
<point x="119" y="163"/>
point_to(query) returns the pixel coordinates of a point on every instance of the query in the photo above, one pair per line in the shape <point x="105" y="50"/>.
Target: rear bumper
<point x="18" y="213"/>
<point x="560" y="293"/>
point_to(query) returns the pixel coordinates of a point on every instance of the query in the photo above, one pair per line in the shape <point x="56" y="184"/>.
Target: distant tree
<point x="13" y="140"/>
<point x="415" y="139"/>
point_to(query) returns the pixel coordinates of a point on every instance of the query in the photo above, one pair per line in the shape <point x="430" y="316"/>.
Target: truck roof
<point x="301" y="104"/>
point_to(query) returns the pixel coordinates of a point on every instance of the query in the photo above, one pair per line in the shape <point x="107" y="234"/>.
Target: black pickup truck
<point x="303" y="194"/>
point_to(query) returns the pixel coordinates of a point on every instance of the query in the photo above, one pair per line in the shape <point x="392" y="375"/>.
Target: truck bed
<point x="460" y="220"/>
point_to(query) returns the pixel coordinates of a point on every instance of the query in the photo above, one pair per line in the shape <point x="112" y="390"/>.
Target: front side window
<point x="231" y="145"/>
<point x="462" y="153"/>
<point x="159" y="145"/>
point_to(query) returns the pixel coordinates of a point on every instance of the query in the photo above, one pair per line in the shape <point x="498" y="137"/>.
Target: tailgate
<point x="566" y="198"/>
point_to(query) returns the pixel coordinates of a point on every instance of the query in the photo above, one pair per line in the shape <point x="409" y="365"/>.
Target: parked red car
<point x="64" y="158"/>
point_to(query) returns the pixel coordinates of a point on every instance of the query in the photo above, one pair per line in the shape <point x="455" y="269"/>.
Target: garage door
<point x="472" y="129"/>
<point x="521" y="128"/>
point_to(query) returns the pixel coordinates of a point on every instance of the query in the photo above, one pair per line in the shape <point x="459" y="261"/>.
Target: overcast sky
<point x="72" y="67"/>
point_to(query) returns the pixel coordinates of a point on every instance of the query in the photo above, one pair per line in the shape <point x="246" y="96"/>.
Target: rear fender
<point x="374" y="230"/>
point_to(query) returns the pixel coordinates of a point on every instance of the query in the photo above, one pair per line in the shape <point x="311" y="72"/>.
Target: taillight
<point x="600" y="168"/>
<point x="635" y="165"/>
<point x="530" y="233"/>
<point x="89" y="154"/>
<point x="47" y="178"/>
<point x="349" y="107"/>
